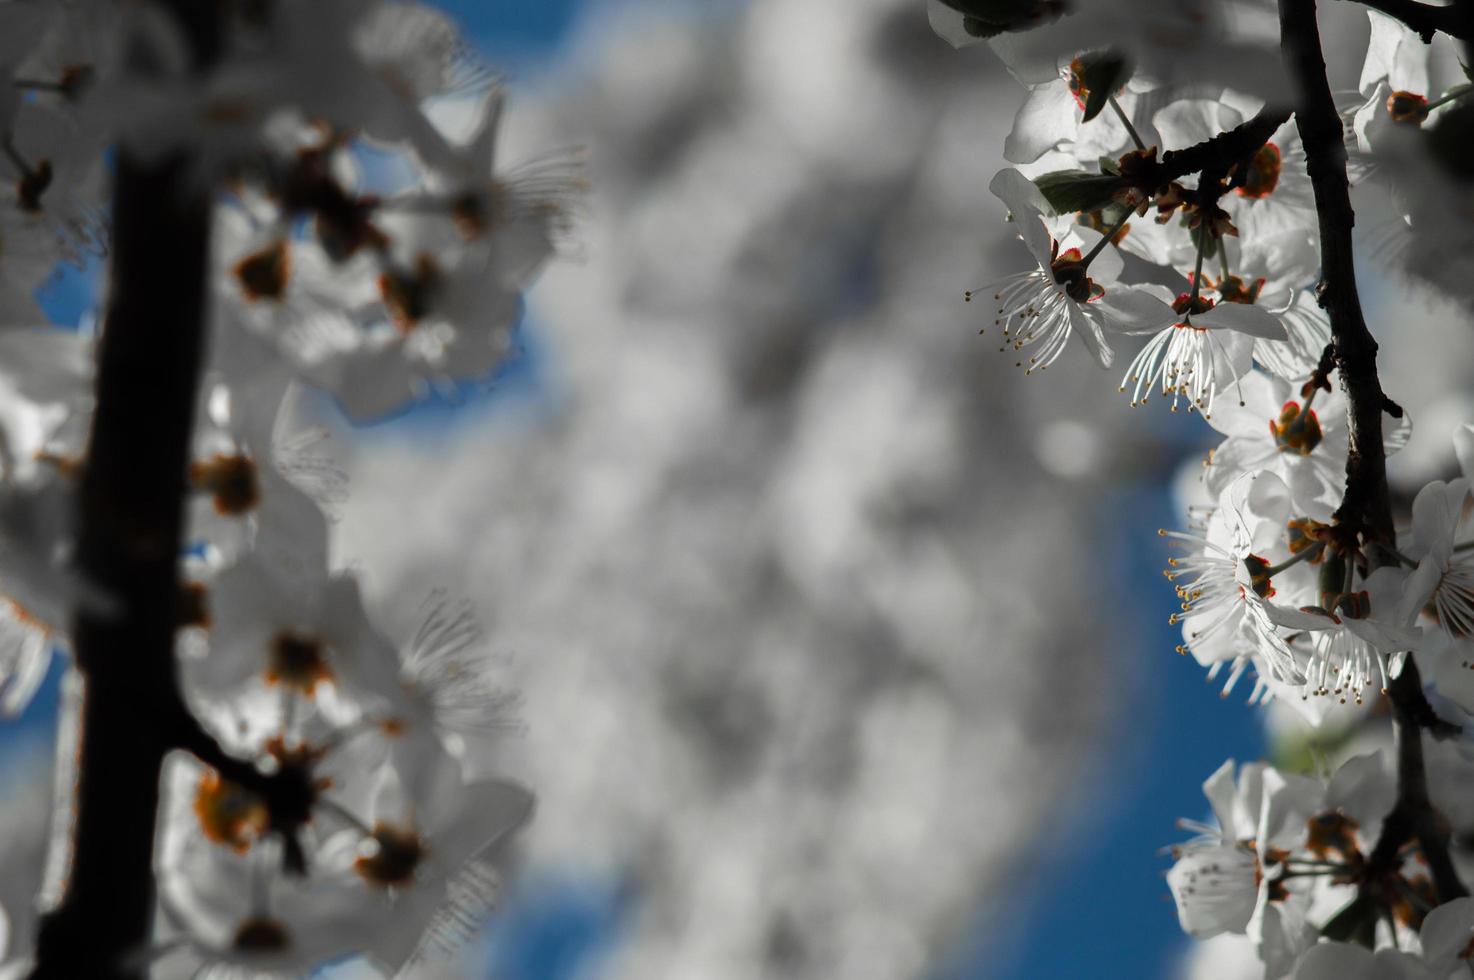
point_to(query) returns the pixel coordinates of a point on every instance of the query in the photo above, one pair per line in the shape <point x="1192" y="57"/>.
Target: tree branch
<point x="1413" y="817"/>
<point x="1366" y="508"/>
<point x="130" y="524"/>
<point x="1224" y="150"/>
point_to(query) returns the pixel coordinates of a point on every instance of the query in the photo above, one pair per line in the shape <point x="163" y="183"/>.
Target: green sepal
<point x="1069" y="191"/>
<point x="1109" y="165"/>
<point x="1102" y="76"/>
<point x="1356" y="923"/>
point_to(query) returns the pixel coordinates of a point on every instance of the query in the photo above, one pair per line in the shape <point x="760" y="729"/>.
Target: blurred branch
<point x="1366" y="508"/>
<point x="129" y="535"/>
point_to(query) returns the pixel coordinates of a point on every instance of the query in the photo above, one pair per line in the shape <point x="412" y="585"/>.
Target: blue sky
<point x="1094" y="897"/>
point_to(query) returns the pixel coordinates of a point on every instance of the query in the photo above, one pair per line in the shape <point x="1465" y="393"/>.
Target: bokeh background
<point x="839" y="647"/>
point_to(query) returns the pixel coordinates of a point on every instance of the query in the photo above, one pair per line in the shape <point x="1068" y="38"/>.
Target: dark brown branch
<point x="1413" y="817"/>
<point x="1426" y="20"/>
<point x="1224" y="150"/>
<point x="130" y="523"/>
<point x="1366" y="508"/>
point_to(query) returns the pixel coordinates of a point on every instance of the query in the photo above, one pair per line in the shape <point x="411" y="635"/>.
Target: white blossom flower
<point x="257" y="484"/>
<point x="411" y="844"/>
<point x="1039" y="310"/>
<point x="233" y="906"/>
<point x="519" y="213"/>
<point x="1399" y="79"/>
<point x="1444" y="578"/>
<point x="300" y="636"/>
<point x="1225" y="585"/>
<point x="1222" y="878"/>
<point x="1198" y="348"/>
<point x="450" y="688"/>
<point x="1301" y="439"/>
<point x="1354" y="648"/>
<point x="1051" y="119"/>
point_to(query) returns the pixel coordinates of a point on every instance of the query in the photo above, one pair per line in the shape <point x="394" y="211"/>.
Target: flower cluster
<point x="332" y="796"/>
<point x="1161" y="187"/>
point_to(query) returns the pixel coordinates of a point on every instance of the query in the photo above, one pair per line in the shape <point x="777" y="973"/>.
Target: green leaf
<point x="1103" y="75"/>
<point x="1068" y="191"/>
<point x="1356" y="923"/>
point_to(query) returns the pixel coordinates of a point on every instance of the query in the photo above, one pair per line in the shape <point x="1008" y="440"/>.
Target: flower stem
<point x="1197" y="272"/>
<point x="1126" y="121"/>
<point x="1457" y="92"/>
<point x="1307" y="555"/>
<point x="1100" y="245"/>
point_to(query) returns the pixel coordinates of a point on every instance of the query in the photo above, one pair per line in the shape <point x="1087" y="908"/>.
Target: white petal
<point x="1244" y="318"/>
<point x="1447" y="933"/>
<point x="1337" y="961"/>
<point x="1214" y="889"/>
<point x="1084" y="326"/>
<point x="1135" y="310"/>
<point x="1027" y="206"/>
<point x="1048" y="116"/>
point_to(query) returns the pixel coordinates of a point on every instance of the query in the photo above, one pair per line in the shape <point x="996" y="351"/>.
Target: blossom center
<point x="231" y="481"/>
<point x="409" y="295"/>
<point x="1258" y="570"/>
<point x="261" y="935"/>
<point x="298" y="661"/>
<point x="1186" y="304"/>
<point x="1070" y="273"/>
<point x="397" y="855"/>
<point x="1262" y="174"/>
<point x="228" y="813"/>
<point x="1407" y="107"/>
<point x="1296" y="430"/>
<point x="1232" y="289"/>
<point x="264" y="274"/>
